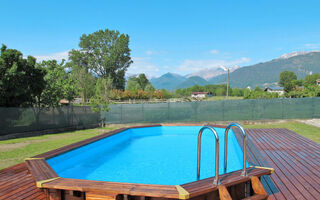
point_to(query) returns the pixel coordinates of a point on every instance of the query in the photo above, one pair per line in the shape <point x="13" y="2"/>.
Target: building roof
<point x="273" y="88"/>
<point x="318" y="80"/>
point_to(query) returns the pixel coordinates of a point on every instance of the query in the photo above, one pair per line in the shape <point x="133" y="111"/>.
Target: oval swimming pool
<point x="165" y="155"/>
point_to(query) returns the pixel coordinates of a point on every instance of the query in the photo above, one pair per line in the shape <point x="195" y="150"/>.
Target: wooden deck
<point x="296" y="161"/>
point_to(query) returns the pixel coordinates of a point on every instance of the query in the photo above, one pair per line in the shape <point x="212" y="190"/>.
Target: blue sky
<point x="168" y="35"/>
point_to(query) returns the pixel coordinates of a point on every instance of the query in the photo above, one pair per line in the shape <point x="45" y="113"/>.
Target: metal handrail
<point x="216" y="180"/>
<point x="244" y="173"/>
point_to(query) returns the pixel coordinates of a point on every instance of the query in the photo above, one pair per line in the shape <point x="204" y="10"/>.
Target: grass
<point x="15" y="150"/>
<point x="308" y="131"/>
<point x="219" y="98"/>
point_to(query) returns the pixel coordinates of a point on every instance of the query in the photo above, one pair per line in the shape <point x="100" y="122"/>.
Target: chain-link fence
<point x="226" y="110"/>
<point x="19" y="120"/>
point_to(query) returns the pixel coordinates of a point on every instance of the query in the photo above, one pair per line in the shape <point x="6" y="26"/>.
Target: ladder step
<point x="257" y="197"/>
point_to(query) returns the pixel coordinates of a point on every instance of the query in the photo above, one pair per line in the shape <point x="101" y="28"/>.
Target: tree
<point x="108" y="55"/>
<point x="311" y="79"/>
<point x="84" y="79"/>
<point x="59" y="84"/>
<point x="102" y="95"/>
<point x="237" y="92"/>
<point x="149" y="88"/>
<point x="143" y="81"/>
<point x="286" y="80"/>
<point x="133" y="84"/>
<point x="21" y="81"/>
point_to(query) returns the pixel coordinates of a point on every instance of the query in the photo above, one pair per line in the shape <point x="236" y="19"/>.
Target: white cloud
<point x="190" y="66"/>
<point x="312" y="45"/>
<point x="142" y="65"/>
<point x="153" y="52"/>
<point x="55" y="56"/>
<point x="214" y="51"/>
<point x="149" y="52"/>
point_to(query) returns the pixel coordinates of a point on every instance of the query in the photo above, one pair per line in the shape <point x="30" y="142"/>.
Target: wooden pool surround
<point x="232" y="184"/>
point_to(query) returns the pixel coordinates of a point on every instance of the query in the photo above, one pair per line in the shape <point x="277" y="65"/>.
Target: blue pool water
<point x="164" y="155"/>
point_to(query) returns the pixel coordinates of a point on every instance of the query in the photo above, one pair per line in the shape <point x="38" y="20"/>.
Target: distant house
<point x="64" y="102"/>
<point x="278" y="90"/>
<point x="318" y="82"/>
<point x="200" y="95"/>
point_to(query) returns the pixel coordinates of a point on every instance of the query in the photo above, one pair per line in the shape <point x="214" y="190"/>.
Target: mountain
<point x="212" y="72"/>
<point x="267" y="73"/>
<point x="191" y="81"/>
<point x="167" y="81"/>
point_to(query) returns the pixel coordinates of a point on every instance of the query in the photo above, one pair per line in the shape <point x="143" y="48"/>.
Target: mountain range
<point x="261" y="74"/>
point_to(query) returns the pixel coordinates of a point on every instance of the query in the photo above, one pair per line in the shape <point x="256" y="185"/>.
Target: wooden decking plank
<point x="292" y="154"/>
<point x="255" y="156"/>
<point x="304" y="166"/>
<point x="119" y="188"/>
<point x="283" y="146"/>
<point x="279" y="178"/>
<point x="294" y="189"/>
<point x="294" y="175"/>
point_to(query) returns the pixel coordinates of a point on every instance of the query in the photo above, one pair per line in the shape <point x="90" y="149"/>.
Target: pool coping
<point x="46" y="177"/>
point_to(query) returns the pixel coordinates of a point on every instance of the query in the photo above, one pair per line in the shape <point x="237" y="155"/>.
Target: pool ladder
<point x="216" y="181"/>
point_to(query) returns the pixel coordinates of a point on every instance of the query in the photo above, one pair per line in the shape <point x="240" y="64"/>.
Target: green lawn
<point x="219" y="98"/>
<point x="15" y="150"/>
<point x="311" y="132"/>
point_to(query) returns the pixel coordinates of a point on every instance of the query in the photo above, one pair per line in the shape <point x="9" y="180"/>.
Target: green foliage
<point x="59" y="84"/>
<point x="237" y="92"/>
<point x="149" y="88"/>
<point x="21" y="81"/>
<point x="133" y="84"/>
<point x="108" y="55"/>
<point x="311" y="79"/>
<point x="143" y="81"/>
<point x="166" y="94"/>
<point x="287" y="80"/>
<point x="101" y="98"/>
<point x="259" y="94"/>
<point x="83" y="78"/>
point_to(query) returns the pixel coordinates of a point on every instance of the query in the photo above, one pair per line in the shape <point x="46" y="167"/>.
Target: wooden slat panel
<point x="117" y="188"/>
<point x="20" y="185"/>
<point x="40" y="169"/>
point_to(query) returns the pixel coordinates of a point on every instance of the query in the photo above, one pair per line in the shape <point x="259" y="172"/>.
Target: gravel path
<point x="313" y="122"/>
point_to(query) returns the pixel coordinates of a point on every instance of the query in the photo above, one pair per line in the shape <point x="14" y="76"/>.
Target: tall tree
<point x="287" y="79"/>
<point x="143" y="81"/>
<point x="21" y="81"/>
<point x="133" y="84"/>
<point x="59" y="84"/>
<point x="82" y="76"/>
<point x="108" y="54"/>
<point x="100" y="100"/>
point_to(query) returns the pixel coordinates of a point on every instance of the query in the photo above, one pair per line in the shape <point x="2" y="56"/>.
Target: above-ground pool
<point x="165" y="155"/>
<point x="154" y="161"/>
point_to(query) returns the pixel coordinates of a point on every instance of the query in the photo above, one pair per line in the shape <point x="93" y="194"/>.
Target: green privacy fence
<point x="20" y="120"/>
<point x="226" y="110"/>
